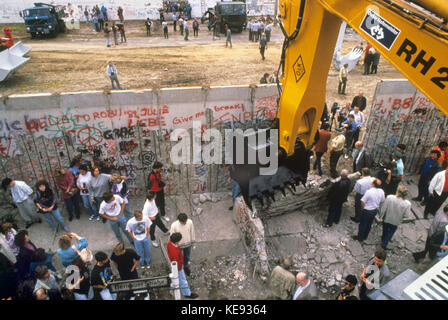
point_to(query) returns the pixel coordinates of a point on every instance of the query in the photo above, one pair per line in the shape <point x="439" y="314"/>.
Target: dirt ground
<point x="76" y="61"/>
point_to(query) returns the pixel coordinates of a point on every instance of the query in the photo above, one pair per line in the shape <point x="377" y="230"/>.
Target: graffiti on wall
<point x="129" y="138"/>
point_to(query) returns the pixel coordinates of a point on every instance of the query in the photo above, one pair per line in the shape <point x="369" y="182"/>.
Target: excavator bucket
<point x="10" y="63"/>
<point x="19" y="49"/>
<point x="351" y="58"/>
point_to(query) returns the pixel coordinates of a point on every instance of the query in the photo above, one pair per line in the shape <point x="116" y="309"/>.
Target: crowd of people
<point x="27" y="270"/>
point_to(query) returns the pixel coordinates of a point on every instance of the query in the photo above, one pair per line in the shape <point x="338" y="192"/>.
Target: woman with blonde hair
<point x="394" y="209"/>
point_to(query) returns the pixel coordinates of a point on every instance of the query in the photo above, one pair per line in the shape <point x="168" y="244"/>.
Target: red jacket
<point x="154" y="180"/>
<point x="65" y="182"/>
<point x="175" y="254"/>
<point x="10" y="42"/>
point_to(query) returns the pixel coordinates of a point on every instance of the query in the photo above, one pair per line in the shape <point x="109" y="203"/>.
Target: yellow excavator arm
<point x="412" y="37"/>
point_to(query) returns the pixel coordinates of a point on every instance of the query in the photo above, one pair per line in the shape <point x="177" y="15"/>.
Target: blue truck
<point x="44" y="19"/>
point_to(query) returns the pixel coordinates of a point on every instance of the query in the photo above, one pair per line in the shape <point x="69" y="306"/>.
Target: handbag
<point x="85" y="254"/>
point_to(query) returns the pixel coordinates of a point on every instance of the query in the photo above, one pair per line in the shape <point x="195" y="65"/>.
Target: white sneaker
<point x="155" y="244"/>
<point x="166" y="218"/>
<point x="98" y="218"/>
<point x="91" y="218"/>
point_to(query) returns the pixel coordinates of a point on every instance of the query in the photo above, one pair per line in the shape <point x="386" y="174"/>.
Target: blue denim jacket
<point x="68" y="255"/>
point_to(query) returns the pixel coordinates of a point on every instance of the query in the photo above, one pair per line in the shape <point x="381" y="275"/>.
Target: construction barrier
<point x="12" y="59"/>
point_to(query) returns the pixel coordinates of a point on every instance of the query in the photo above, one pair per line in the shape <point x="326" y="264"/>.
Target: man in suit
<point x="359" y="101"/>
<point x="362" y="158"/>
<point x="305" y="289"/>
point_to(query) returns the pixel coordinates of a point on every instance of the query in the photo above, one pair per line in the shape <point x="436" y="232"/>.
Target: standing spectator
<point x="66" y="183"/>
<point x="46" y="201"/>
<point x="343" y="113"/>
<point x="438" y="192"/>
<point x="394" y="209"/>
<point x="305" y="289"/>
<point x="7" y="245"/>
<point x="337" y="195"/>
<point x="74" y="166"/>
<point x="360" y="122"/>
<point x="185" y="227"/>
<point x="361" y="186"/>
<point x="9" y="282"/>
<point x="249" y="27"/>
<point x="438" y="244"/>
<point x="107" y="35"/>
<point x="112" y="73"/>
<point x="268" y="30"/>
<point x="101" y="20"/>
<point x="101" y="276"/>
<point x="175" y="254"/>
<point x="156" y="184"/>
<point x="396" y="175"/>
<point x="82" y="183"/>
<point x="195" y="27"/>
<point x="321" y="146"/>
<point x="359" y="101"/>
<point x="82" y="289"/>
<point x="126" y="261"/>
<point x="336" y="150"/>
<point x="122" y="32"/>
<point x="442" y="148"/>
<point x="120" y="187"/>
<point x="188" y="11"/>
<point x="236" y="188"/>
<point x="86" y="14"/>
<point x="255" y="27"/>
<point x="95" y="25"/>
<point x="263" y="45"/>
<point x="151" y="211"/>
<point x="228" y="36"/>
<point x="438" y="224"/>
<point x="26" y="251"/>
<point x="282" y="282"/>
<point x="104" y="12"/>
<point x="148" y="24"/>
<point x="120" y="14"/>
<point x="361" y="158"/>
<point x="181" y="25"/>
<point x="368" y="59"/>
<point x="350" y="289"/>
<point x="427" y="171"/>
<point x="68" y="252"/>
<point x="139" y="229"/>
<point x="375" y="61"/>
<point x="112" y="208"/>
<point x="114" y="32"/>
<point x="174" y="22"/>
<point x="343" y="79"/>
<point x="274" y="78"/>
<point x="264" y="78"/>
<point x="375" y="267"/>
<point x="186" y="29"/>
<point x="98" y="185"/>
<point x="261" y="27"/>
<point x="370" y="204"/>
<point x="350" y="127"/>
<point x="165" y="29"/>
<point x="21" y="195"/>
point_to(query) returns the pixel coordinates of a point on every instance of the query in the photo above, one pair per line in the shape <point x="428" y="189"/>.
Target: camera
<point x="334" y="108"/>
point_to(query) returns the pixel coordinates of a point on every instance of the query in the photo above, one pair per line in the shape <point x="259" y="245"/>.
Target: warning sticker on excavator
<point x="299" y="68"/>
<point x="379" y="29"/>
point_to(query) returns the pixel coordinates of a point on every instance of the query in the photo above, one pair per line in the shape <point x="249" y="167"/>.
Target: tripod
<point x="333" y="120"/>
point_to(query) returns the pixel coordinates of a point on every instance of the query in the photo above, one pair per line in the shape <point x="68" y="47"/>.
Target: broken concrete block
<point x="208" y="196"/>
<point x="195" y="200"/>
<point x="198" y="211"/>
<point x="355" y="248"/>
<point x="202" y="198"/>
